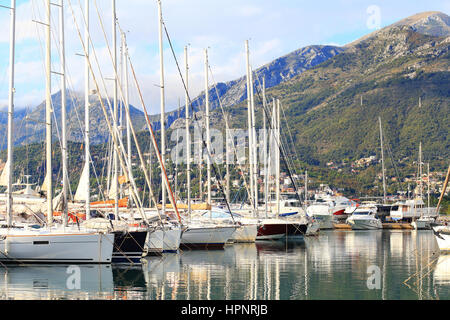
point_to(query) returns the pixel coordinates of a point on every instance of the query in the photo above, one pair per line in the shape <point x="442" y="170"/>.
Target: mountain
<point x="390" y="70"/>
<point x="332" y="98"/>
<point x="30" y="127"/>
<point x="433" y="23"/>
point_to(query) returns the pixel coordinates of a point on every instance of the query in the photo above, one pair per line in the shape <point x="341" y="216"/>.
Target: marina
<point x="218" y="200"/>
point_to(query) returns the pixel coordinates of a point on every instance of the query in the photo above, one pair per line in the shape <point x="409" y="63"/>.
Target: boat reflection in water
<point x="441" y="277"/>
<point x="334" y="265"/>
<point x="48" y="282"/>
<point x="56" y="282"/>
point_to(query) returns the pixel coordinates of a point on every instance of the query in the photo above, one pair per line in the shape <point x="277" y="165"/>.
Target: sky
<point x="273" y="27"/>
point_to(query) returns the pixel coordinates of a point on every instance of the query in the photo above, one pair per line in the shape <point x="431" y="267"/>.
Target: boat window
<point x="291" y="204"/>
<point x="40" y="242"/>
<point x="220" y="214"/>
<point x="361" y="212"/>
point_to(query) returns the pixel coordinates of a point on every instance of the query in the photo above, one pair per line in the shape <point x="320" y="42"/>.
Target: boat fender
<point x="7" y="245"/>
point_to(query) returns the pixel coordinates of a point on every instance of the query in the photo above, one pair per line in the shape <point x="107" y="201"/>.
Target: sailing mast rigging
<point x="250" y="128"/>
<point x="382" y="162"/>
<point x="64" y="155"/>
<point x="162" y="102"/>
<point x="188" y="137"/>
<point x="48" y="117"/>
<point x="116" y="111"/>
<point x="195" y="118"/>
<point x="87" y="111"/>
<point x="208" y="135"/>
<point x="9" y="161"/>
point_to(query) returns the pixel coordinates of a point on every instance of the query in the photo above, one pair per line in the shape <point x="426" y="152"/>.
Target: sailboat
<point x="282" y="221"/>
<point x="200" y="232"/>
<point x="130" y="237"/>
<point x="25" y="243"/>
<point x="425" y="219"/>
<point x="26" y="200"/>
<point x="415" y="210"/>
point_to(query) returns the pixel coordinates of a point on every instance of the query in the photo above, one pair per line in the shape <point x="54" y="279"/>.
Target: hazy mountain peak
<point x="432" y="23"/>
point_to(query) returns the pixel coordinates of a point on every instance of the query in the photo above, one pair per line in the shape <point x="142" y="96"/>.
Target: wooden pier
<point x="386" y="225"/>
<point x="342" y="226"/>
<point x="397" y="226"/>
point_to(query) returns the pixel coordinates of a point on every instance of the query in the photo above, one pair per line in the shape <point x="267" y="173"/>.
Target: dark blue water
<point x="335" y="265"/>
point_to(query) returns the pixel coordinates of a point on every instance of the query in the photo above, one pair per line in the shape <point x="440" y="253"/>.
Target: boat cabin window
<point x="291" y="204"/>
<point x="361" y="213"/>
<point x="221" y="215"/>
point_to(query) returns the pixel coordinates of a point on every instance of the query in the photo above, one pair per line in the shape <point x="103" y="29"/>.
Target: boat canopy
<point x="219" y="214"/>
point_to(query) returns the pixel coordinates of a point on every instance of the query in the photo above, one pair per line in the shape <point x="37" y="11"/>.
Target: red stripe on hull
<point x="271" y="230"/>
<point x="339" y="212"/>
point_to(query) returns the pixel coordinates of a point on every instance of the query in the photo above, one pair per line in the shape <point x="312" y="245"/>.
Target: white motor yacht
<point x="322" y="213"/>
<point x="364" y="218"/>
<point x="412" y="209"/>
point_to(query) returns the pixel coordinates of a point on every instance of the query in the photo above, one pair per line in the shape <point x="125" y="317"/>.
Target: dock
<point x="342" y="226"/>
<point x="397" y="226"/>
<point x="386" y="225"/>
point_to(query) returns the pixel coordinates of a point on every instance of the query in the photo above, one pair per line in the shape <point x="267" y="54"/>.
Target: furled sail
<point x="81" y="194"/>
<point x="4" y="176"/>
<point x="112" y="189"/>
<point x="45" y="184"/>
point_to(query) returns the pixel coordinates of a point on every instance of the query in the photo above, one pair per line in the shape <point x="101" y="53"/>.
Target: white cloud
<point x="274" y="28"/>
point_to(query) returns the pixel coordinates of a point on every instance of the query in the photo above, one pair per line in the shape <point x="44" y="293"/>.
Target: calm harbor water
<point x="334" y="265"/>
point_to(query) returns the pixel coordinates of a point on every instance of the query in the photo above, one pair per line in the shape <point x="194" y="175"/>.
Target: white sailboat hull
<point x="206" y="236"/>
<point x="245" y="233"/>
<point x="325" y="221"/>
<point x="313" y="228"/>
<point x="53" y="247"/>
<point x="162" y="241"/>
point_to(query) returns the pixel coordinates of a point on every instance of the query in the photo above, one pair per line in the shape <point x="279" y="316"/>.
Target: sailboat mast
<point x="428" y="188"/>
<point x="9" y="161"/>
<point x="254" y="145"/>
<point x="306" y="187"/>
<point x="116" y="111"/>
<point x="64" y="156"/>
<point x="266" y="174"/>
<point x="176" y="155"/>
<point x="277" y="181"/>
<point x="188" y="138"/>
<point x="382" y="162"/>
<point x="127" y="101"/>
<point x="48" y="117"/>
<point x="161" y="84"/>
<point x="87" y="110"/>
<point x="208" y="135"/>
<point x="249" y="122"/>
<point x="420" y="171"/>
<point x="227" y="165"/>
